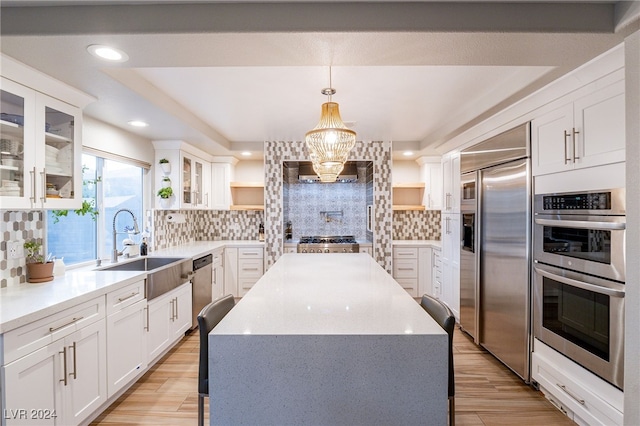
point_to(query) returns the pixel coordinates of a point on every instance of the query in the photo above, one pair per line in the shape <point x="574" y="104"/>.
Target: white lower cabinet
<point x="217" y="277"/>
<point x="169" y="318"/>
<point x="581" y="395"/>
<point x="126" y="329"/>
<point x="412" y="269"/>
<point x="61" y="383"/>
<point x="243" y="267"/>
<point x="436" y="274"/>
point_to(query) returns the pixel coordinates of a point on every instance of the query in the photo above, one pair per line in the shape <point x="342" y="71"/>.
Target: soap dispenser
<point x="261" y="232"/>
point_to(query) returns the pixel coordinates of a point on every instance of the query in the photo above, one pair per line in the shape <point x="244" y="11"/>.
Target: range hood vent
<point x="306" y="174"/>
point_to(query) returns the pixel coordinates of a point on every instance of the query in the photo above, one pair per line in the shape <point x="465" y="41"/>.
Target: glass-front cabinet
<point x="40" y="150"/>
<point x="196" y="174"/>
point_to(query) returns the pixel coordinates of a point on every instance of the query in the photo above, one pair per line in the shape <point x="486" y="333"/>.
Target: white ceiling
<point x="228" y="76"/>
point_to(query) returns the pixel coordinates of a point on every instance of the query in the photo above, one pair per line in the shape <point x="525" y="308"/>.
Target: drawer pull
<point x="122" y="299"/>
<point x="252" y="253"/>
<point x="249" y="269"/>
<point x="52" y="329"/>
<point x="406" y="269"/>
<point x="564" y="388"/>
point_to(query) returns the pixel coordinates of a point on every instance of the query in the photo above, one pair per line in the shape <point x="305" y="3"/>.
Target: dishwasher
<point x="201" y="283"/>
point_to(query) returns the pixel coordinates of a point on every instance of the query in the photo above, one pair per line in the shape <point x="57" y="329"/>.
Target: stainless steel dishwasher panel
<point x="201" y="283"/>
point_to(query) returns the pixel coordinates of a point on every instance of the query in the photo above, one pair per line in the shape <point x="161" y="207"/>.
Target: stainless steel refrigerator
<point x="498" y="314"/>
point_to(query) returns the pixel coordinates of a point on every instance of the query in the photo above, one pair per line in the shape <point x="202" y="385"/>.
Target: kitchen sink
<point x="164" y="273"/>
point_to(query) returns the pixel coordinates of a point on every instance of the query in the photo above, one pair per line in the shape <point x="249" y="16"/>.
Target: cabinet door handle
<point x="122" y="299"/>
<point x="564" y="388"/>
<point x="33" y="186"/>
<point x="176" y="305"/>
<point x="64" y="365"/>
<point x="44" y="185"/>
<point x="566" y="135"/>
<point x="52" y="329"/>
<point x="146" y="327"/>
<point x="172" y="309"/>
<point x="75" y="367"/>
<point x="575" y="147"/>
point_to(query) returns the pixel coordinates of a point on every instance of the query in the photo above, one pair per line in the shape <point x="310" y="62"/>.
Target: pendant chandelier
<point x="330" y="142"/>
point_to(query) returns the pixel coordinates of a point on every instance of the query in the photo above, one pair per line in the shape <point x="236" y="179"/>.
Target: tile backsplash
<point x="17" y="226"/>
<point x="202" y="225"/>
<point x="416" y="225"/>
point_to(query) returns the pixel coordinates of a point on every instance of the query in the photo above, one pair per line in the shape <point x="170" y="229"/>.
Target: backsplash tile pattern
<point x="416" y="225"/>
<point x="326" y="209"/>
<point x="276" y="152"/>
<point x="17" y="226"/>
<point x="202" y="225"/>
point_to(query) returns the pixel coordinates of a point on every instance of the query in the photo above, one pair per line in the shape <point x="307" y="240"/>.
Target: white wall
<point x="249" y="171"/>
<point x="105" y="137"/>
<point x="405" y="171"/>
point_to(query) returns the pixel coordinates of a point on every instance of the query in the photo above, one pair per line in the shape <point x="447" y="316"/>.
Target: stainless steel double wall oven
<point x="579" y="278"/>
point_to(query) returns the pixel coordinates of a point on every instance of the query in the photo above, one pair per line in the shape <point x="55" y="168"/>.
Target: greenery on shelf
<point x="165" y="192"/>
<point x="33" y="248"/>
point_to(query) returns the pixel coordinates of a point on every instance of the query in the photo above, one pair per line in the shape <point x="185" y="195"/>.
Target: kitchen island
<point x="327" y="339"/>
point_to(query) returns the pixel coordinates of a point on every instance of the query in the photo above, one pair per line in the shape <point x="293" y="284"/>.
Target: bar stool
<point x="445" y="318"/>
<point x="208" y="318"/>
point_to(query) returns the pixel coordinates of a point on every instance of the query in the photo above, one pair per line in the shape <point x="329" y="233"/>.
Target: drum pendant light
<point x="330" y="141"/>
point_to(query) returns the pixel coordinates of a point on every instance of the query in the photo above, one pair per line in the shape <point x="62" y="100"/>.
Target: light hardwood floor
<point x="487" y="393"/>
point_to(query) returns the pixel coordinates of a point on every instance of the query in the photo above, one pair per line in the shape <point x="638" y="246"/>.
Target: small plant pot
<point x="39" y="272"/>
<point x="166" y="183"/>
<point x="165" y="203"/>
<point x="166" y="168"/>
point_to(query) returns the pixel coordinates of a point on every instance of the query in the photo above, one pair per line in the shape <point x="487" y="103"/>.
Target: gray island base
<point x="327" y="340"/>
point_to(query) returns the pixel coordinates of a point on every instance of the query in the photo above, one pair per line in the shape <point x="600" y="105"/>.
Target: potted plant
<point x="165" y="166"/>
<point x="166" y="182"/>
<point x="165" y="195"/>
<point x="38" y="269"/>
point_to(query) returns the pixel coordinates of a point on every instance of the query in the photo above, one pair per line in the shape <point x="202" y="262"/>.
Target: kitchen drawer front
<point x="405" y="268"/>
<point x="126" y="296"/>
<point x="250" y="268"/>
<point x="577" y="396"/>
<point x="250" y="253"/>
<point x="410" y="285"/>
<point x="28" y="338"/>
<point x="405" y="252"/>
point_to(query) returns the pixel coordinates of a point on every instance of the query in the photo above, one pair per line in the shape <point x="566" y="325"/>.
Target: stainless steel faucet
<point x="115" y="253"/>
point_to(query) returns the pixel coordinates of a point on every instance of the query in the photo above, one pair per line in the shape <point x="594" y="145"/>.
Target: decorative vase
<point x="39" y="272"/>
<point x="166" y="168"/>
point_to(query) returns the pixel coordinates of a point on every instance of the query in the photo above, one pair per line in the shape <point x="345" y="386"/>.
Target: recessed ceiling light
<point x="407" y="153"/>
<point x="245" y="154"/>
<point x="138" y="123"/>
<point x="107" y="53"/>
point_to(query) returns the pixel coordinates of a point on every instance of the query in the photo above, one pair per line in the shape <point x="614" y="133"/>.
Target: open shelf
<point x="247" y="195"/>
<point x="408" y="196"/>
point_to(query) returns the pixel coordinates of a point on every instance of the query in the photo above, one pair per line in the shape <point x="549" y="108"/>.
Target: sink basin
<point x="143" y="264"/>
<point x="164" y="273"/>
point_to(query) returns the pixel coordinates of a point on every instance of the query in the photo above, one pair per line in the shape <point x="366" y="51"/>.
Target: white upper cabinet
<point x="41" y="149"/>
<point x="587" y="132"/>
<point x="221" y="175"/>
<point x="431" y="175"/>
<point x="451" y="183"/>
<point x="196" y="182"/>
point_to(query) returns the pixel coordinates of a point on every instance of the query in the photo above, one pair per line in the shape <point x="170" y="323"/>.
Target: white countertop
<point x="25" y="303"/>
<point x="437" y="244"/>
<point x="333" y="294"/>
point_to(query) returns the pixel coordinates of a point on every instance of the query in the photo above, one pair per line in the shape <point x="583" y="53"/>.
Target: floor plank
<point x="487" y="393"/>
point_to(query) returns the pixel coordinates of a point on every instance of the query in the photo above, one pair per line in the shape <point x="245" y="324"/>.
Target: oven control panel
<point x="586" y="201"/>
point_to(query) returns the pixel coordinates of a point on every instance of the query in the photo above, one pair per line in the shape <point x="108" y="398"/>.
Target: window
<point x="108" y="186"/>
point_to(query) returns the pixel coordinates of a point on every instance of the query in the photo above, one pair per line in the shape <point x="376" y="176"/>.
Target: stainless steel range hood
<point x="306" y="174"/>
